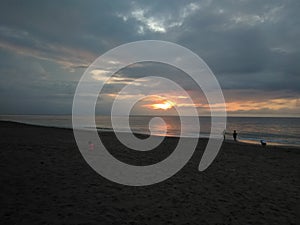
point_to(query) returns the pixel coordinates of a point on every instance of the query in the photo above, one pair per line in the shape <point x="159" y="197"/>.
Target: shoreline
<point x="251" y="142"/>
<point x="110" y="130"/>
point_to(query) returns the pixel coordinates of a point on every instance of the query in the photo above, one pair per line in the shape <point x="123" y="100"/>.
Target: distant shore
<point x="45" y="180"/>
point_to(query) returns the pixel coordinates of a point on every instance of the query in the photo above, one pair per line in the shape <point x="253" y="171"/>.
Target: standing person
<point x="234" y="135"/>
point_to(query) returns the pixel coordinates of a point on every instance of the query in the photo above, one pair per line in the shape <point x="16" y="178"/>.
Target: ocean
<point x="274" y="130"/>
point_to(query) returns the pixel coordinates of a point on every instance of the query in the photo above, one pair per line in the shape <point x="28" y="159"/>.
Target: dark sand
<point x="44" y="180"/>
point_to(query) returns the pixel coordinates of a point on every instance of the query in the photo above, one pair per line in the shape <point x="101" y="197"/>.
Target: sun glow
<point x="164" y="105"/>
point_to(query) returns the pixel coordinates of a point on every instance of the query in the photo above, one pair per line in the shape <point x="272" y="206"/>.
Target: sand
<point x="44" y="180"/>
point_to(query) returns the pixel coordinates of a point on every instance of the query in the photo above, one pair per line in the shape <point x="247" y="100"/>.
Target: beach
<point x="45" y="180"/>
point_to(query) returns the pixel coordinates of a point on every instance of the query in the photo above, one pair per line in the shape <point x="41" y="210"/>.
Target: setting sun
<point x="164" y="105"/>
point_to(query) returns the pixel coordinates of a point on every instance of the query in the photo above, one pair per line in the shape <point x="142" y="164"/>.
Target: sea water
<point x="274" y="130"/>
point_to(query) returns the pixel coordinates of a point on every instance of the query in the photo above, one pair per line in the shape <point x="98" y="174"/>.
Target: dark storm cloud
<point x="250" y="45"/>
<point x="72" y="31"/>
<point x="248" y="38"/>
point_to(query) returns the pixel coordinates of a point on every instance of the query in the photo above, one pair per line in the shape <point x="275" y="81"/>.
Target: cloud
<point x="157" y="21"/>
<point x="253" y="47"/>
<point x="22" y="43"/>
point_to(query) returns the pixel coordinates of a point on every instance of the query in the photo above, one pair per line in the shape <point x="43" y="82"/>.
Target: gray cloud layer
<point x="45" y="45"/>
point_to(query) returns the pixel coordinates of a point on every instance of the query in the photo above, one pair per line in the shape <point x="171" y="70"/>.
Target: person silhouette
<point x="234" y="135"/>
<point x="263" y="143"/>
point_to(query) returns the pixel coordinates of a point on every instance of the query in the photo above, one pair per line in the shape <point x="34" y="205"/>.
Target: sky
<point x="252" y="47"/>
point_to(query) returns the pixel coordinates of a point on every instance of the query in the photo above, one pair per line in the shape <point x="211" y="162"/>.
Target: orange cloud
<point x="272" y="104"/>
<point x="165" y="105"/>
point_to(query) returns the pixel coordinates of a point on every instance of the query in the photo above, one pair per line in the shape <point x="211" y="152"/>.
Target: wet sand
<point x="44" y="180"/>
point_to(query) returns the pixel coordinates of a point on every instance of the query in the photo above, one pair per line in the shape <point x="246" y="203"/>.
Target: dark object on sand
<point x="234" y="135"/>
<point x="263" y="142"/>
